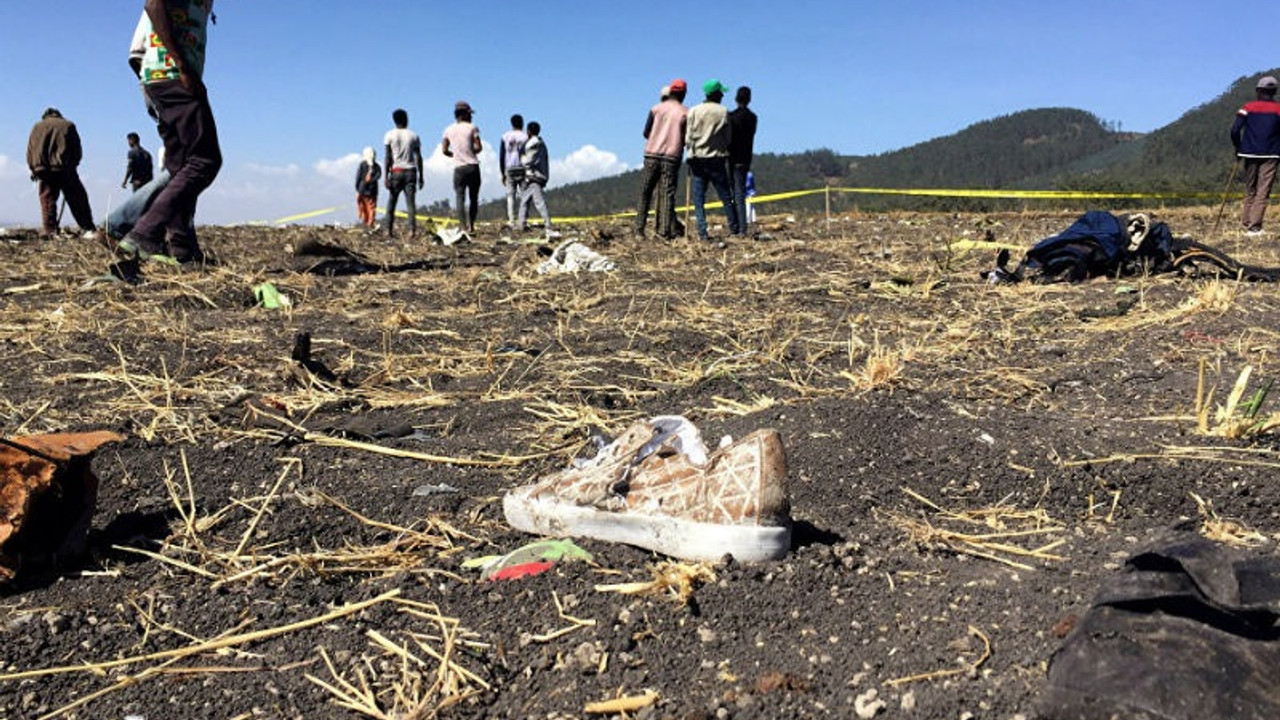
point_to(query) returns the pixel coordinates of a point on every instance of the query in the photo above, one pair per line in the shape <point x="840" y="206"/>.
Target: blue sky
<point x="299" y="88"/>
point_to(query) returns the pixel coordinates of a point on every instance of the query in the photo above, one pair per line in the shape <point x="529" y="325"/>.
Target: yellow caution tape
<point x="791" y="195"/>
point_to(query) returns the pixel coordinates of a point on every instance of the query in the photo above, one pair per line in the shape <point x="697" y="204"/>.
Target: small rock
<point x="56" y="621"/>
<point x="868" y="705"/>
<point x="909" y="701"/>
<point x="706" y="634"/>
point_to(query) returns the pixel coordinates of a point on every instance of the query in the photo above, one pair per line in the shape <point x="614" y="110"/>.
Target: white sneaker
<point x="91" y="235"/>
<point x="657" y="488"/>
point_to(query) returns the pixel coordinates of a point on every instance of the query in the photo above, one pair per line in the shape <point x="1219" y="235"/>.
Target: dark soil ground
<point x="919" y="406"/>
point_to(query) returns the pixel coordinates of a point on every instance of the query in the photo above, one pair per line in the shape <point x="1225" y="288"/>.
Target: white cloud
<point x="290" y="170"/>
<point x="7" y="166"/>
<point x="586" y="163"/>
<point x="341" y="168"/>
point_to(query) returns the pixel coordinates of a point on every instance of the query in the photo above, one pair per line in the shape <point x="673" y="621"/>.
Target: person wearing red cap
<point x="462" y="143"/>
<point x="1256" y="136"/>
<point x="663" y="149"/>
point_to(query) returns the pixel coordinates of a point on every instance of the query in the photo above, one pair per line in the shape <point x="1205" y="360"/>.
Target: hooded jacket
<point x="54" y="145"/>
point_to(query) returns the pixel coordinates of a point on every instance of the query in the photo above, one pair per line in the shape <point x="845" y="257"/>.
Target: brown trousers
<point x="66" y="183"/>
<point x="1259" y="176"/>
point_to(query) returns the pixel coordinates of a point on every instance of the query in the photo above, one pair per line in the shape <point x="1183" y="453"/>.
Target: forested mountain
<point x="1046" y="149"/>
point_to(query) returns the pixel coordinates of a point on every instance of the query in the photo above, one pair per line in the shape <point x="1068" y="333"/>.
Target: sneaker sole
<point x="684" y="539"/>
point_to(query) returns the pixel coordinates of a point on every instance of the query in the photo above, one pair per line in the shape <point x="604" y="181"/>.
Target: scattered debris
<point x="1186" y="630"/>
<point x="867" y="705"/>
<point x="526" y="560"/>
<point x="674" y="580"/>
<point x="452" y="236"/>
<point x="267" y="296"/>
<point x="1099" y="244"/>
<point x="429" y="490"/>
<point x="572" y="256"/>
<point x="48" y="493"/>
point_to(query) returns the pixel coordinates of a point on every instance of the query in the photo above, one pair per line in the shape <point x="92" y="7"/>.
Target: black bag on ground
<point x="1184" y="632"/>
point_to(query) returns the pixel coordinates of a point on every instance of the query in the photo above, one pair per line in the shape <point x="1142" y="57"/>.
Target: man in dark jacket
<point x="53" y="154"/>
<point x="139" y="169"/>
<point x="1256" y="135"/>
<point x="741" y="147"/>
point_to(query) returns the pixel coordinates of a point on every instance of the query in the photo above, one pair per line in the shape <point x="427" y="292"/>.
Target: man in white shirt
<point x="404" y="171"/>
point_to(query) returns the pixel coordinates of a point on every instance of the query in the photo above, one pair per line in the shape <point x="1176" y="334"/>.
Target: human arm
<point x="387" y="162"/>
<point x="417" y="154"/>
<point x="476" y="146"/>
<point x="158" y="11"/>
<point x="648" y="125"/>
<point x="1237" y="129"/>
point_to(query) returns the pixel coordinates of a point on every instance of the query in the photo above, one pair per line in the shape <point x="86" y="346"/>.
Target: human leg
<point x="193" y="157"/>
<point x="649" y="176"/>
<point x="718" y="175"/>
<point x="515" y="192"/>
<point x="473" y="192"/>
<point x="539" y="199"/>
<point x="124" y="216"/>
<point x="411" y="199"/>
<point x="1249" y="177"/>
<point x="668" y="179"/>
<point x="460" y="197"/>
<point x="698" y="173"/>
<point x="49" y="193"/>
<point x="1266" y="179"/>
<point x="395" y="185"/>
<point x="739" y="179"/>
<point x="77" y="199"/>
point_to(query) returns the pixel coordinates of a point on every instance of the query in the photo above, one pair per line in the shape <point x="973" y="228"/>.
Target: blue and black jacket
<point x="1256" y="131"/>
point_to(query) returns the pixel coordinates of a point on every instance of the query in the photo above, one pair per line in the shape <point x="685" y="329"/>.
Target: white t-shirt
<point x="406" y="148"/>
<point x="512" y="146"/>
<point x="459" y="136"/>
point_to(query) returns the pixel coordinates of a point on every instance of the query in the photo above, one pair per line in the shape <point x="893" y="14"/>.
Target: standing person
<point x="367" y="177"/>
<point x="664" y="132"/>
<point x="742" y="124"/>
<point x="511" y="165"/>
<point x="404" y="171"/>
<point x="53" y="154"/>
<point x="462" y="143"/>
<point x="139" y="169"/>
<point x="1256" y="136"/>
<point x="537" y="170"/>
<point x="707" y="136"/>
<point x="173" y="80"/>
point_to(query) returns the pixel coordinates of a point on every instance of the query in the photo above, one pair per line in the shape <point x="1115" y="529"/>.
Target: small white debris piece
<point x="572" y="256"/>
<point x="868" y="705"/>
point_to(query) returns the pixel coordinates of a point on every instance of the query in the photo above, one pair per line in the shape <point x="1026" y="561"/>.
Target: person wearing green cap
<point x="707" y="137"/>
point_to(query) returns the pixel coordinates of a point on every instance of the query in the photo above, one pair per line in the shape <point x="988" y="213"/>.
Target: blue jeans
<point x="124" y="216"/>
<point x="740" y="195"/>
<point x="716" y="172"/>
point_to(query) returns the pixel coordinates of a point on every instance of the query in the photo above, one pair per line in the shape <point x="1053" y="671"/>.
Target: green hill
<point x="1047" y="149"/>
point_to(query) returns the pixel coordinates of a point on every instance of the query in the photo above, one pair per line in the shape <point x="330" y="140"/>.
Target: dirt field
<point x="966" y="464"/>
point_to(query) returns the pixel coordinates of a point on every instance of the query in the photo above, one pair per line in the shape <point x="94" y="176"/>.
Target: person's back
<point x="708" y="131"/>
<point x="1257" y="129"/>
<point x="54" y="144"/>
<point x="53" y="154"/>
<point x="511" y="166"/>
<point x="666" y="130"/>
<point x="403" y="152"/>
<point x="1256" y="136"/>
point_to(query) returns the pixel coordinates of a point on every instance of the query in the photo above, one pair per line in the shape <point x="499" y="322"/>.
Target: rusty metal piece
<point x="47" y="496"/>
